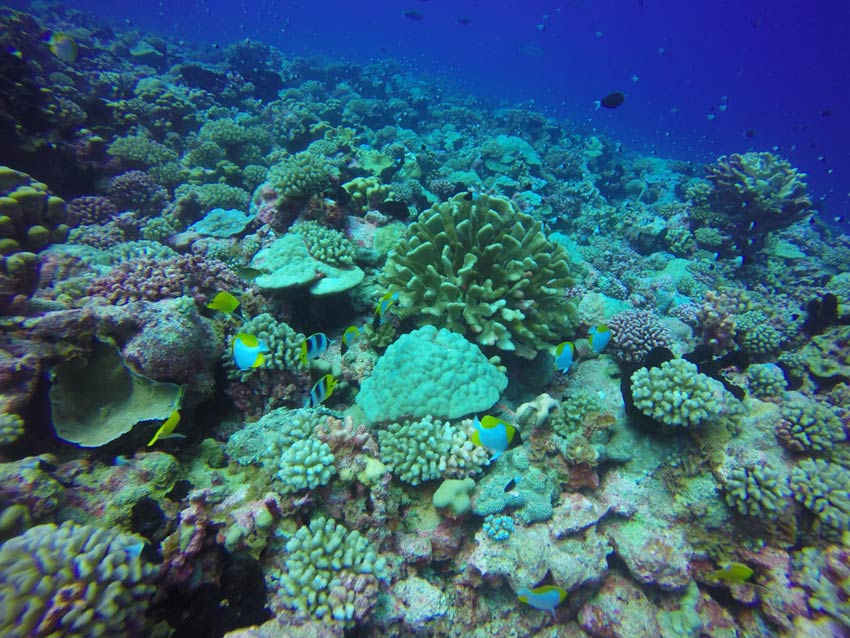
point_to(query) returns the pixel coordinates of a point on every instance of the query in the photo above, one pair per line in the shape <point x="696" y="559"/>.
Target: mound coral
<point x="757" y="490"/>
<point x="809" y="426"/>
<point x="90" y="209"/>
<point x="321" y="561"/>
<point x="634" y="333"/>
<point x="531" y="497"/>
<point x="766" y="380"/>
<point x="824" y="488"/>
<point x="676" y="394"/>
<point x="452" y="377"/>
<point x="135" y="191"/>
<point x="74" y="581"/>
<point x="480" y="267"/>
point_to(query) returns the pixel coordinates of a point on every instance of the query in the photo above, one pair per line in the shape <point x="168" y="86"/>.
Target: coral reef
<point x="480" y="267"/>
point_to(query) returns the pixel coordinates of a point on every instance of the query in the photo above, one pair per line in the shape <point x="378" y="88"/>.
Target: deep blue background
<point x="779" y="63"/>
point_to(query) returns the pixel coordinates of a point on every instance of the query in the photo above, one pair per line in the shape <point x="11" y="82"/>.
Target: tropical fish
<point x="545" y="598"/>
<point x="249" y="274"/>
<point x="348" y="337"/>
<point x="494" y="434"/>
<point x="224" y="302"/>
<point x="564" y="355"/>
<point x="732" y="573"/>
<point x="313" y="346"/>
<point x="62" y="46"/>
<point x="166" y="430"/>
<point x="322" y="389"/>
<point x="248" y="351"/>
<point x="611" y="101"/>
<point x="512" y="483"/>
<point x="384" y="304"/>
<point x="412" y="15"/>
<point x="599" y="337"/>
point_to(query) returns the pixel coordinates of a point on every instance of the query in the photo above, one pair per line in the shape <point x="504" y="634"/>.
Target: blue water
<point x="698" y="76"/>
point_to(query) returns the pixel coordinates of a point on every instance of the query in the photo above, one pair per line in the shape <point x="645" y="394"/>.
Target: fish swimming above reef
<point x="564" y="355"/>
<point x="224" y="302"/>
<point x="599" y="338"/>
<point x="62" y="46"/>
<point x="313" y="346"/>
<point x="349" y="337"/>
<point x="384" y="304"/>
<point x="166" y="430"/>
<point x="611" y="101"/>
<point x="494" y="434"/>
<point x="322" y="389"/>
<point x="732" y="573"/>
<point x="545" y="597"/>
<point x="248" y="351"/>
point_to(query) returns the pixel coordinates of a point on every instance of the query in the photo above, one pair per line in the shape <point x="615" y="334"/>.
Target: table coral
<point x="480" y="267"/>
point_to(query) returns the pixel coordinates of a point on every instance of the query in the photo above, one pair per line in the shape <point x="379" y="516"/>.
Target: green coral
<point x="11" y="428"/>
<point x="74" y="581"/>
<point x="211" y="196"/>
<point x="265" y="441"/>
<point x="810" y="426"/>
<point x="302" y="175"/>
<point x="757" y="187"/>
<point x="828" y="354"/>
<point x="325" y="244"/>
<point x="306" y="464"/>
<point x="677" y="394"/>
<point x="367" y="193"/>
<point x="478" y="266"/>
<point x="499" y="490"/>
<point x="824" y="488"/>
<point x="757" y="490"/>
<point x="320" y="560"/>
<point x="825" y="573"/>
<point x="427" y="449"/>
<point x="451" y="376"/>
<point x="766" y="380"/>
<point x="283" y="342"/>
<point x="140" y="150"/>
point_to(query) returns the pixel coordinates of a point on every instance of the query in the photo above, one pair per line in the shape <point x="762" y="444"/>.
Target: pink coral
<point x="634" y="333"/>
<point x="154" y="279"/>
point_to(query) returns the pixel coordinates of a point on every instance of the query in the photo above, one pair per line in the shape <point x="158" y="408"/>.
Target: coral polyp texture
<point x="480" y="267"/>
<point x="758" y="187"/>
<point x="76" y="581"/>
<point x="452" y="376"/>
<point x="677" y="394"/>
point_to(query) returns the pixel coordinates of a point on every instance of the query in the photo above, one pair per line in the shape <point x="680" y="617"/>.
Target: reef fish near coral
<point x="224" y="302"/>
<point x="384" y="304"/>
<point x="248" y="351"/>
<point x="322" y="389"/>
<point x="733" y="573"/>
<point x="166" y="430"/>
<point x="599" y="338"/>
<point x="348" y="337"/>
<point x="545" y="598"/>
<point x="313" y="346"/>
<point x="564" y="354"/>
<point x="494" y="434"/>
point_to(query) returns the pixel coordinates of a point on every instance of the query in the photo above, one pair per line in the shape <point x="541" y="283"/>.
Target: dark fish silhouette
<point x="464" y="20"/>
<point x="611" y="101"/>
<point x="413" y="15"/>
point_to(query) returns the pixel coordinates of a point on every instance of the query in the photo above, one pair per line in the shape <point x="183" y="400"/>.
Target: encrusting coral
<point x="480" y="267"/>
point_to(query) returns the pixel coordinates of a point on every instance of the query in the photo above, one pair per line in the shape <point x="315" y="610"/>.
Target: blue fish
<point x="384" y="304"/>
<point x="248" y="351"/>
<point x="348" y="338"/>
<point x="494" y="434"/>
<point x="599" y="337"/>
<point x="564" y="355"/>
<point x="313" y="346"/>
<point x="545" y="598"/>
<point x="322" y="389"/>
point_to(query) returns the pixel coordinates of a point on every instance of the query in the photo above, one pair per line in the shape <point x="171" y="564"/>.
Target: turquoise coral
<point x="499" y="528"/>
<point x="306" y="464"/>
<point x="530" y="497"/>
<point x="452" y="377"/>
<point x="480" y="267"/>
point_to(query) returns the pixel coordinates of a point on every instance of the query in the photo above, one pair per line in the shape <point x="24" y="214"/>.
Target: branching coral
<point x="480" y="267"/>
<point x="757" y="490"/>
<point x="634" y="333"/>
<point x="809" y="426"/>
<point x="824" y="488"/>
